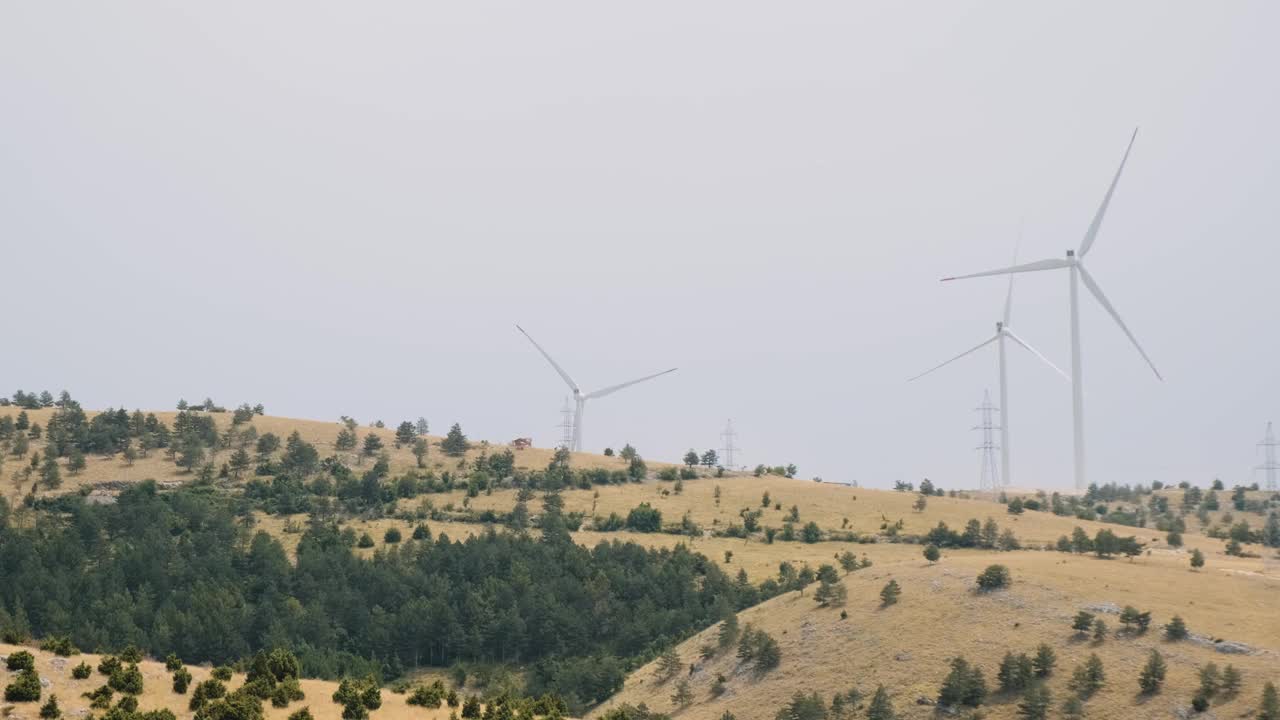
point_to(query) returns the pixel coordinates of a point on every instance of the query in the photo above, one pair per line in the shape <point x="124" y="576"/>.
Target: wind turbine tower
<point x="1003" y="331"/>
<point x="580" y="398"/>
<point x="989" y="479"/>
<point x="1077" y="274"/>
<point x="1269" y="464"/>
<point x="566" y="425"/>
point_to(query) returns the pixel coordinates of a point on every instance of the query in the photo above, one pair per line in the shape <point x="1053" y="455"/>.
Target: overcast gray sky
<point x="343" y="208"/>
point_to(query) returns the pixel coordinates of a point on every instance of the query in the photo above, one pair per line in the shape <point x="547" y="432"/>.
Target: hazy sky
<point x="343" y="208"/>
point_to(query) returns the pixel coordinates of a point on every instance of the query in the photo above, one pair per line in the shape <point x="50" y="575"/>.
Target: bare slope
<point x="907" y="646"/>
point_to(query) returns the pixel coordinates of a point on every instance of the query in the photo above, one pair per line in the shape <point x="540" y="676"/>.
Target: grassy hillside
<point x="158" y="466"/>
<point x="907" y="646"/>
<point x="158" y="692"/>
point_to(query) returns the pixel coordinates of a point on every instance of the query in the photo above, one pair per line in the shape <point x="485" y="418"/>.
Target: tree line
<point x="178" y="572"/>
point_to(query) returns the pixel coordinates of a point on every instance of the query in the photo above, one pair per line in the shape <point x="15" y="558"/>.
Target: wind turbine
<point x="1074" y="263"/>
<point x="1003" y="331"/>
<point x="579" y="398"/>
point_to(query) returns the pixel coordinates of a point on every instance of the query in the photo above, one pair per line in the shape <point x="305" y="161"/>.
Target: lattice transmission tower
<point x="989" y="479"/>
<point x="730" y="449"/>
<point x="1269" y="465"/>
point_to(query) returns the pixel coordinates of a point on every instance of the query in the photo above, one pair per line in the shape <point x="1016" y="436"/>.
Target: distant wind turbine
<point x="579" y="398"/>
<point x="1003" y="330"/>
<point x="1074" y="263"/>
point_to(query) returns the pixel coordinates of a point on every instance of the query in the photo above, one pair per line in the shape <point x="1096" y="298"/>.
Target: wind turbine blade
<point x="971" y="350"/>
<point x="568" y="380"/>
<point x="1008" y="298"/>
<point x="1051" y="264"/>
<point x="1092" y="233"/>
<point x="1037" y="353"/>
<point x="615" y="388"/>
<point x="1106" y="304"/>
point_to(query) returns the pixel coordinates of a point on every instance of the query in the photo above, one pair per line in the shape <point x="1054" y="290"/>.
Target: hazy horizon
<point x="334" y="209"/>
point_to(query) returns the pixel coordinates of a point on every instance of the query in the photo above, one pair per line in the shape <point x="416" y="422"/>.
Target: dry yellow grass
<point x="907" y="646"/>
<point x="759" y="559"/>
<point x="826" y="504"/>
<point x="322" y="434"/>
<point x="158" y="692"/>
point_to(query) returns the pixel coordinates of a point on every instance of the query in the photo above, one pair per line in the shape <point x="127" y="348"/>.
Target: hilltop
<point x="744" y="542"/>
<point x="114" y="470"/>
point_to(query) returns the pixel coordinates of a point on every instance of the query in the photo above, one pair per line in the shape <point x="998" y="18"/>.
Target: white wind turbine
<point x="1003" y="331"/>
<point x="579" y="398"/>
<point x="1074" y="263"/>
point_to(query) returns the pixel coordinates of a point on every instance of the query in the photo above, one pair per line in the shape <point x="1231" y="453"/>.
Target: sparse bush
<point x="881" y="707"/>
<point x="831" y="593"/>
<point x="50" y="709"/>
<point x="964" y="685"/>
<point x="1176" y="629"/>
<point x="1016" y="673"/>
<point x="1152" y="675"/>
<point x="358" y="697"/>
<point x="644" y="518"/>
<point x="1044" y="660"/>
<point x="428" y="696"/>
<point x="1035" y="703"/>
<point x="108" y="665"/>
<point x="24" y="688"/>
<point x="1210" y="680"/>
<point x="126" y="679"/>
<point x="1231" y="679"/>
<point x="758" y="646"/>
<point x="683" y="695"/>
<point x="1269" y="708"/>
<point x="1088" y="678"/>
<point x="669" y="664"/>
<point x="1082" y="622"/>
<point x="181" y="680"/>
<point x="994" y="577"/>
<point x="366" y="541"/>
<point x="889" y="593"/>
<point x="81" y="671"/>
<point x="811" y="533"/>
<point x="455" y="443"/>
<point x="206" y="692"/>
<point x="1135" y="621"/>
<point x="20" y="660"/>
<point x="60" y="645"/>
<point x="99" y="699"/>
